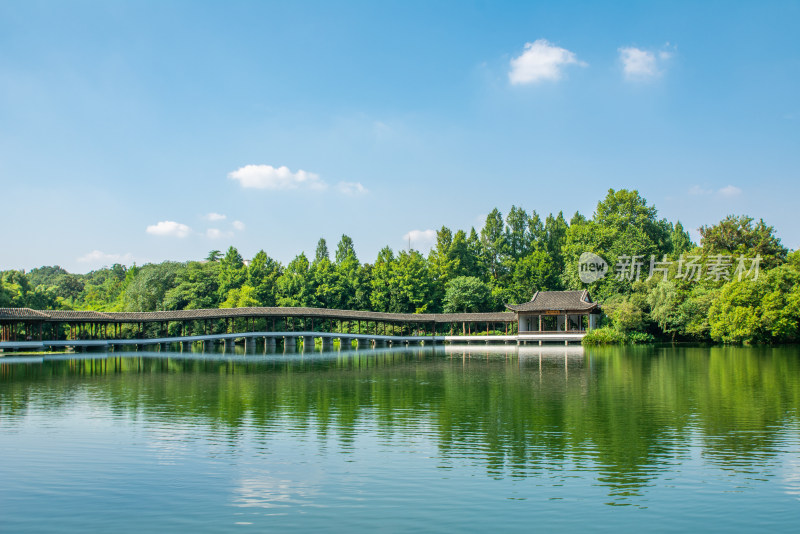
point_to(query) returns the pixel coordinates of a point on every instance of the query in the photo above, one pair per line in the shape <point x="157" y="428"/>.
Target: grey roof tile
<point x="557" y="300"/>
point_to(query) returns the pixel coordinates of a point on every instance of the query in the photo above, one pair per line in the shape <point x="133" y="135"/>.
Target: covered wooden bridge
<point x="548" y="316"/>
<point x="20" y="327"/>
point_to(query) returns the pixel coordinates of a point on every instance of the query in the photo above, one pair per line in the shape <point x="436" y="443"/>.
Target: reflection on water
<point x="376" y="432"/>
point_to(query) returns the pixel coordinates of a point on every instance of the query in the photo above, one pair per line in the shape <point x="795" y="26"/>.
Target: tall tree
<point x="232" y="272"/>
<point x="739" y="236"/>
<point x="466" y="294"/>
<point x="577" y="218"/>
<point x="493" y="241"/>
<point x="681" y="240"/>
<point x="537" y="232"/>
<point x="322" y="251"/>
<point x="147" y="289"/>
<point x="518" y="233"/>
<point x="382" y="296"/>
<point x="262" y="276"/>
<point x="344" y="249"/>
<point x="555" y="230"/>
<point x="443" y="262"/>
<point x="411" y="283"/>
<point x="197" y="287"/>
<point x="534" y="272"/>
<point x="477" y="256"/>
<point x="294" y="286"/>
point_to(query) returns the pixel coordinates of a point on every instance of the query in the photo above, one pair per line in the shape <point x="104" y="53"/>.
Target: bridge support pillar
<point x="345" y="344"/>
<point x="364" y="344"/>
<point x="186" y="346"/>
<point x="380" y="343"/>
<point x="289" y="344"/>
<point x="229" y="344"/>
<point x="308" y="344"/>
<point x="269" y="344"/>
<point x="250" y="345"/>
<point x="327" y="343"/>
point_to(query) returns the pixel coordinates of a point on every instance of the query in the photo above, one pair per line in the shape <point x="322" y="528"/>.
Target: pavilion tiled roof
<point x="557" y="300"/>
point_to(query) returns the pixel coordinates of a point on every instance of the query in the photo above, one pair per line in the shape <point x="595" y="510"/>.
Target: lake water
<point x="661" y="439"/>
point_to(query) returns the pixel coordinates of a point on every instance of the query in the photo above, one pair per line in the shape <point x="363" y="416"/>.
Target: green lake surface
<point x="447" y="439"/>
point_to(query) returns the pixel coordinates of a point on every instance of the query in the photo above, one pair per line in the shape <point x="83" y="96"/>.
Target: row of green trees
<point x="510" y="259"/>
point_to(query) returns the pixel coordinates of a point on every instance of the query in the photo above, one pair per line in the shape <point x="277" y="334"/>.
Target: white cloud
<point x="169" y="228"/>
<point x="420" y="239"/>
<point x="351" y="188"/>
<point x="269" y="177"/>
<point x="541" y="60"/>
<point x="215" y="217"/>
<point x="730" y="191"/>
<point x="642" y="65"/>
<point x="239" y="225"/>
<point x="216" y="233"/>
<point x="727" y="191"/>
<point x="101" y="258"/>
<point x="697" y="190"/>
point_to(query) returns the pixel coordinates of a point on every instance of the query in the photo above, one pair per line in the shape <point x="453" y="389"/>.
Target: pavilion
<point x="557" y="312"/>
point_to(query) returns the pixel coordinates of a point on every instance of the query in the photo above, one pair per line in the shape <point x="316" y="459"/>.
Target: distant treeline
<point x="739" y="286"/>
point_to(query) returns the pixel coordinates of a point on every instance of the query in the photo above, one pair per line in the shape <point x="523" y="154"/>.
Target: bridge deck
<point x="106" y="343"/>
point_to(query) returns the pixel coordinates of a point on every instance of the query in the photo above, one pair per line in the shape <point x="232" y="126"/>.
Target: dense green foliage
<point x="608" y="335"/>
<point x="507" y="261"/>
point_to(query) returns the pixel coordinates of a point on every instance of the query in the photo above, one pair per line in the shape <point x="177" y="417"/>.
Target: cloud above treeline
<point x="728" y="191"/>
<point x="169" y="229"/>
<point x="283" y="179"/>
<point x="422" y="240"/>
<point x="269" y="177"/>
<point x="180" y="230"/>
<point x="97" y="257"/>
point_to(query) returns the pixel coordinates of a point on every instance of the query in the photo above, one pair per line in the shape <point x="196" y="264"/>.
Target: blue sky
<point x="145" y="131"/>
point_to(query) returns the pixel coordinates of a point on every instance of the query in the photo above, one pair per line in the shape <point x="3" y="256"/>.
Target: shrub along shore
<point x="739" y="285"/>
